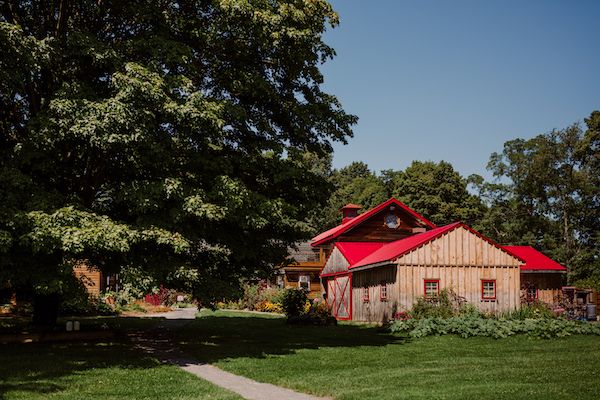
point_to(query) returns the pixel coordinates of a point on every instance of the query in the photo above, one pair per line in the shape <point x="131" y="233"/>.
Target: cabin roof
<point x="535" y="260"/>
<point x="344" y="227"/>
<point x="393" y="250"/>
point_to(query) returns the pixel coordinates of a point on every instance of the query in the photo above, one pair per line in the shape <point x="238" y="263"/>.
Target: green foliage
<point x="134" y="283"/>
<point x="549" y="196"/>
<point x="532" y="310"/>
<point x="469" y="325"/>
<point x="436" y="191"/>
<point x="440" y="307"/>
<point x="169" y="138"/>
<point x="356" y="184"/>
<point x="251" y="295"/>
<point x="293" y="302"/>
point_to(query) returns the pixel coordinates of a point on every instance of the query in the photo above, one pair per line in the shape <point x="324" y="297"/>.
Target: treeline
<point x="546" y="194"/>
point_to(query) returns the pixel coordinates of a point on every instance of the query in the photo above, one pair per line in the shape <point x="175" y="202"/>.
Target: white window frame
<point x="306" y="280"/>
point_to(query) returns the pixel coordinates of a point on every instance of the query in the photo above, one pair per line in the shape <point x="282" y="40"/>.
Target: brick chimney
<point x="349" y="211"/>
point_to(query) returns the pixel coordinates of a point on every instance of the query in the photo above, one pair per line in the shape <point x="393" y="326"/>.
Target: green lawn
<point x="95" y="371"/>
<point x="356" y="362"/>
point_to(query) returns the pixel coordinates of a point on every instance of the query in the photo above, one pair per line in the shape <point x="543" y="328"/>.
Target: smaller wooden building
<point x="92" y="278"/>
<point x="303" y="270"/>
<point x="373" y="281"/>
<point x="541" y="276"/>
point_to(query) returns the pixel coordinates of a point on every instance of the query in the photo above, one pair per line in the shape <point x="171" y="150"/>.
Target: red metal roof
<point x="535" y="260"/>
<point x="399" y="247"/>
<point x="338" y="230"/>
<point x="393" y="250"/>
<point x="356" y="251"/>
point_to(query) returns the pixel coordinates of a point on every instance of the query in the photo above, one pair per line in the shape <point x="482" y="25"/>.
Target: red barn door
<point x="342" y="306"/>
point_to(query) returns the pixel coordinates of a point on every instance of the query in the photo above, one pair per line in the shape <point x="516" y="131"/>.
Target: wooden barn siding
<point x="335" y="263"/>
<point x="374" y="229"/>
<point x="374" y="310"/>
<point x="465" y="281"/>
<point x="549" y="285"/>
<point x="460" y="260"/>
<point x="90" y="277"/>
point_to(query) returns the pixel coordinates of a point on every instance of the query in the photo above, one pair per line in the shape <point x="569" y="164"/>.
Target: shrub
<point x="535" y="309"/>
<point x="446" y="305"/>
<point x="251" y="296"/>
<point x="468" y="325"/>
<point x="267" y="306"/>
<point x="273" y="295"/>
<point x="164" y="297"/>
<point x="293" y="302"/>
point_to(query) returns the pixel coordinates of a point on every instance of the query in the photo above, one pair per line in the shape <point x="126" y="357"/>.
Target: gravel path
<point x="158" y="343"/>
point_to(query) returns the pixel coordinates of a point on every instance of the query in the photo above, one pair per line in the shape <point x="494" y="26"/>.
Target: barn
<point x="381" y="261"/>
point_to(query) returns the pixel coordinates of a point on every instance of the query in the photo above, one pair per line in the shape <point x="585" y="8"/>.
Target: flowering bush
<point x="267" y="306"/>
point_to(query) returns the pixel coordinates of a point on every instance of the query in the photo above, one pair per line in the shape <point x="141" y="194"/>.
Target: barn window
<point x="366" y="294"/>
<point x="488" y="289"/>
<point x="432" y="288"/>
<point x="304" y="282"/>
<point x="382" y="291"/>
<point x="532" y="293"/>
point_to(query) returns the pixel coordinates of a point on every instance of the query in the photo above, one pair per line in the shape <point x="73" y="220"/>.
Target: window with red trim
<point x="532" y="292"/>
<point x="383" y="291"/>
<point x="432" y="288"/>
<point x="366" y="294"/>
<point x="488" y="289"/>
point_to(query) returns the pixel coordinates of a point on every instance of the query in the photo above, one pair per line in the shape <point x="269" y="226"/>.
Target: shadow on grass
<point x="217" y="336"/>
<point x="41" y="368"/>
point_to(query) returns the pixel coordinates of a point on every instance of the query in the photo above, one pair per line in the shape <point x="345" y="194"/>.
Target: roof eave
<point x="543" y="271"/>
<point x="369" y="266"/>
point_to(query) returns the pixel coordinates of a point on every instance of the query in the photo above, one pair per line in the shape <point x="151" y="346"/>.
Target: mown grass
<point x="95" y="371"/>
<point x="357" y="362"/>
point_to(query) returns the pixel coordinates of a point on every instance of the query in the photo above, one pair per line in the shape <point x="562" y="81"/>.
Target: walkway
<point x="158" y="342"/>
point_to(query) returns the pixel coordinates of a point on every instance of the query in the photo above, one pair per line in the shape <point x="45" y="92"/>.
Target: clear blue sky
<point x="454" y="80"/>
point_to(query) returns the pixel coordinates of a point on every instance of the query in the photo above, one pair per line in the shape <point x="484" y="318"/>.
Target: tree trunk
<point x="45" y="310"/>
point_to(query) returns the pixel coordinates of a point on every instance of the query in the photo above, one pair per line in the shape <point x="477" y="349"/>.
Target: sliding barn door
<point x="342" y="303"/>
<point x="331" y="294"/>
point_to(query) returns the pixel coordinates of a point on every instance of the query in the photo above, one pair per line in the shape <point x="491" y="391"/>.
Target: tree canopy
<point x="168" y="135"/>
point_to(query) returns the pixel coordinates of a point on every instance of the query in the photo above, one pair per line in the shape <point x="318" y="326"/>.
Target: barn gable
<point x="461" y="246"/>
<point x="336" y="263"/>
<point x="450" y="245"/>
<point x="389" y="221"/>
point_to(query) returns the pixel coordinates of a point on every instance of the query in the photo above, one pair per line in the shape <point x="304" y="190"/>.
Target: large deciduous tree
<point x="436" y="191"/>
<point x="168" y="135"/>
<point x="550" y="195"/>
<point x="355" y="183"/>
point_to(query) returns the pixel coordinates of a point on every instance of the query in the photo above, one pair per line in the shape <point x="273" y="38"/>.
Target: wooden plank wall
<point x="465" y="281"/>
<point x="336" y="262"/>
<point x="549" y="285"/>
<point x="374" y="310"/>
<point x="374" y="229"/>
<point x="460" y="260"/>
<point x="90" y="277"/>
<point x="459" y="247"/>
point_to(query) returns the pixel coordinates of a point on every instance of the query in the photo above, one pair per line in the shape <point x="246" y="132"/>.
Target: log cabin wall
<point x="374" y="308"/>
